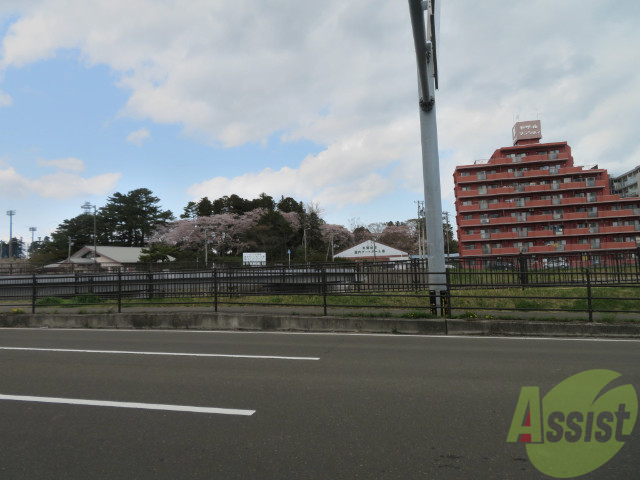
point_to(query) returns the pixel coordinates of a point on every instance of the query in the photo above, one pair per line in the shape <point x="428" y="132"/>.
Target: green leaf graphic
<point x="579" y="451"/>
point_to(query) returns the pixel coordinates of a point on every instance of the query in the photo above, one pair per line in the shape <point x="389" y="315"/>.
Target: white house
<point x="107" y="257"/>
<point x="372" y="251"/>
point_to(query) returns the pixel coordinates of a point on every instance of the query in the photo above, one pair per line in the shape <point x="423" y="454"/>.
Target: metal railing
<point x="581" y="284"/>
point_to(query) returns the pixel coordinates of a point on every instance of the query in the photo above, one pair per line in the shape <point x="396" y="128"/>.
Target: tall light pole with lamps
<point x="32" y="230"/>
<point x="11" y="213"/>
<point x="86" y="206"/>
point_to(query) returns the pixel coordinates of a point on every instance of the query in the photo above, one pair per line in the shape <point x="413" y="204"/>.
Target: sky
<point x="313" y="100"/>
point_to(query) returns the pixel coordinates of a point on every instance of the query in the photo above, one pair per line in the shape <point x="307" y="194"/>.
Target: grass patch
<point x="86" y="299"/>
<point x="50" y="301"/>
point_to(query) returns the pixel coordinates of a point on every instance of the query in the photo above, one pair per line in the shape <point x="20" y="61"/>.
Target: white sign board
<point x="254" y="259"/>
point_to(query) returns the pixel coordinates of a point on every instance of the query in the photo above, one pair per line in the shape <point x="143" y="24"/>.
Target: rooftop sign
<point x="529" y="130"/>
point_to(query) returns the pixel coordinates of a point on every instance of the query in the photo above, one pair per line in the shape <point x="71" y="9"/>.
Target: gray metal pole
<point x="11" y="213"/>
<point x="432" y="192"/>
<point x="430" y="156"/>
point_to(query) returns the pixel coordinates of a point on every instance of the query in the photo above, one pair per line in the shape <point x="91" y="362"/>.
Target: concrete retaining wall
<point x="267" y="322"/>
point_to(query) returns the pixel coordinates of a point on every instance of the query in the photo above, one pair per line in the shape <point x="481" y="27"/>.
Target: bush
<point x="49" y="301"/>
<point x="87" y="299"/>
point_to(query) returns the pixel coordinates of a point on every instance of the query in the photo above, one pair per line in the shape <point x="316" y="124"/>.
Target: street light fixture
<point x="11" y="213"/>
<point x="86" y="206"/>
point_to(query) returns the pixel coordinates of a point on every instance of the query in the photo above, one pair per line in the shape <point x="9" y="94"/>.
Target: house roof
<point x="108" y="254"/>
<point x="370" y="249"/>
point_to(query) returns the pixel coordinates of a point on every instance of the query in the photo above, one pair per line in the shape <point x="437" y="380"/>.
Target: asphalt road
<point x="293" y="406"/>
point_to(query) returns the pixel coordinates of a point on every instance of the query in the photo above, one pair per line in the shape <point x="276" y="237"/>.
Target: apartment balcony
<point x="505" y="251"/>
<point x="467" y="208"/>
<point x="576" y="216"/>
<point x="577" y="231"/>
<point x="467" y="193"/>
<point x="500" y="190"/>
<point x="617" y="245"/>
<point x="541" y="233"/>
<point x="616" y="213"/>
<point x="538" y="203"/>
<point x="470" y="238"/>
<point x="540" y="218"/>
<point x="537" y="188"/>
<point x="499" y="176"/>
<point x="620" y="229"/>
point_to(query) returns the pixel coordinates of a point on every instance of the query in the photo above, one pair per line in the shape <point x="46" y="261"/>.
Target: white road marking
<point x="175" y="354"/>
<point x="144" y="406"/>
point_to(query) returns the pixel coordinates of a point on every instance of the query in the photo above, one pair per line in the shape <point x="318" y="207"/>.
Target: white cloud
<point x="356" y="169"/>
<point x="71" y="164"/>
<point x="5" y="99"/>
<point x="57" y="186"/>
<point x="66" y="185"/>
<point x="139" y="136"/>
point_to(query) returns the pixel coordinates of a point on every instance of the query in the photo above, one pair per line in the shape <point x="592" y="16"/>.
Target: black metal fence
<point x="464" y="289"/>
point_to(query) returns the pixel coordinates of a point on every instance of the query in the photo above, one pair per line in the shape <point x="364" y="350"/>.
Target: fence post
<point x="150" y="286"/>
<point x="215" y="289"/>
<point x="448" y="296"/>
<point x="589" y="304"/>
<point x="33" y="294"/>
<point x="324" y="290"/>
<point x="119" y="290"/>
<point x="524" y="276"/>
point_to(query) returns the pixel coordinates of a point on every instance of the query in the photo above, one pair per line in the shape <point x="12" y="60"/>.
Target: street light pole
<point x="32" y="230"/>
<point x="86" y="206"/>
<point x="427" y="74"/>
<point x="11" y="213"/>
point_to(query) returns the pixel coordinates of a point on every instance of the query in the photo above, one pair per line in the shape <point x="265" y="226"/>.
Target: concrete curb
<point x="277" y="322"/>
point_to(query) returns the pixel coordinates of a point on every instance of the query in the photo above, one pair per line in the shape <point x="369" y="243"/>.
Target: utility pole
<point x="11" y="213"/>
<point x="421" y="249"/>
<point x="448" y="237"/>
<point x="424" y="42"/>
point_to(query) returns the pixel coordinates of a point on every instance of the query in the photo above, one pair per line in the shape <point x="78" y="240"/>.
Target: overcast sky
<point x="314" y="100"/>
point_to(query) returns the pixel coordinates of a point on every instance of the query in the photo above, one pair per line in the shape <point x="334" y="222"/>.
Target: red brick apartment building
<point x="530" y="198"/>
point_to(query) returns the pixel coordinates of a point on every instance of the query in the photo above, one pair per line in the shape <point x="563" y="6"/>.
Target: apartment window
<point x="467" y="203"/>
<point x="467" y="217"/>
<point x="466" y="189"/>
<point x="465" y="174"/>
